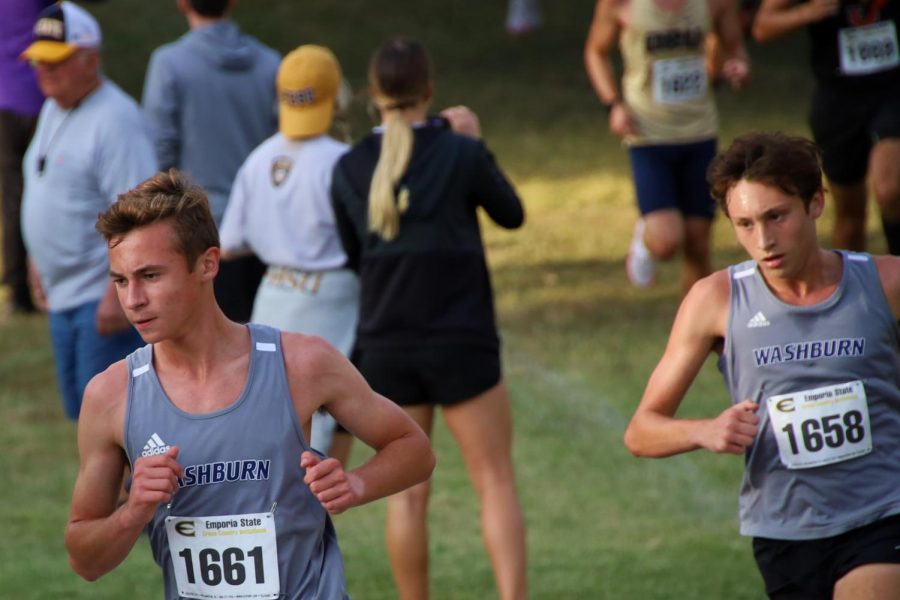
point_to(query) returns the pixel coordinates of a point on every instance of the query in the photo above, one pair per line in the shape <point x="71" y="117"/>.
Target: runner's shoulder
<point x="707" y="303"/>
<point x="712" y="291"/>
<point x="307" y="354"/>
<point x="106" y="394"/>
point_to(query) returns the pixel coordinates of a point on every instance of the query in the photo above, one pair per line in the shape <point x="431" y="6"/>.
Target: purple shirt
<point x="18" y="89"/>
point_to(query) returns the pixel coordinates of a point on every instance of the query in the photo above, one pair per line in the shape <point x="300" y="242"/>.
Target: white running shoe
<point x="639" y="265"/>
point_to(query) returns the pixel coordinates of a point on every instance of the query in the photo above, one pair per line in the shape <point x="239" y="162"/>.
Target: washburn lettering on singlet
<point x="225" y="471"/>
<point x="794" y="351"/>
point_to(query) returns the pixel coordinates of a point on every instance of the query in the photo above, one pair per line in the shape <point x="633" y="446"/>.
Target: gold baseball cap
<point x="308" y="83"/>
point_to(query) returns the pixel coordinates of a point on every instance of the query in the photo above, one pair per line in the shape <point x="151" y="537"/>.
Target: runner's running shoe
<point x="639" y="264"/>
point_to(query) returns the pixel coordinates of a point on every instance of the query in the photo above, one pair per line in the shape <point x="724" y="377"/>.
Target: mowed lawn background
<point x="579" y="343"/>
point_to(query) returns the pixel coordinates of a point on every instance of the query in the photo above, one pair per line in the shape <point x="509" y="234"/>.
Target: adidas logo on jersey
<point x="155" y="446"/>
<point x="758" y="320"/>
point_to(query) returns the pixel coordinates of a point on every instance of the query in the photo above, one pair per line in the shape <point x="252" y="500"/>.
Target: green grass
<point x="579" y="343"/>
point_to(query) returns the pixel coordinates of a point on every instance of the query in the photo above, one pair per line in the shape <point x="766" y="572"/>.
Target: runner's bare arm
<point x="602" y="38"/>
<point x="699" y="325"/>
<point x="736" y="66"/>
<point x="776" y="18"/>
<point x="403" y="455"/>
<point x="889" y="273"/>
<point x="99" y="534"/>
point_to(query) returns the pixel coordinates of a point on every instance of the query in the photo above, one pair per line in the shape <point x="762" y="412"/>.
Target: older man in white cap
<point x="91" y="144"/>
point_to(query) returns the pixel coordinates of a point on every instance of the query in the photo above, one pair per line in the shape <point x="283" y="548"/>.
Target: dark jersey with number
<point x="238" y="464"/>
<point x="778" y="349"/>
<point x="855" y="49"/>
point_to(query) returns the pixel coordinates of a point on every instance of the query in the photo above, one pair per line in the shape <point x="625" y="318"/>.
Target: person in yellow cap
<point x="78" y="162"/>
<point x="280" y="210"/>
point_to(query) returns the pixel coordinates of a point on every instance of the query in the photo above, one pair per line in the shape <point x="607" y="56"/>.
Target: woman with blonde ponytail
<point x="406" y="200"/>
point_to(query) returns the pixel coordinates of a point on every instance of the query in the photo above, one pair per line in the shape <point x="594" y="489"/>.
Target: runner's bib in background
<point x="868" y="49"/>
<point x="677" y="80"/>
<point x="821" y="426"/>
<point x="225" y="557"/>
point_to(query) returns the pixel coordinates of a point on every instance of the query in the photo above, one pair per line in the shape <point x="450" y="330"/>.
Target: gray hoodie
<point x="210" y="96"/>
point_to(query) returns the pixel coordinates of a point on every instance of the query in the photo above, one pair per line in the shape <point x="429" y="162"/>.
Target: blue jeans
<point x="81" y="352"/>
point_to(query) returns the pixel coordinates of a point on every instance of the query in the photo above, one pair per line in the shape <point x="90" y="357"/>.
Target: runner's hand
<point x="154" y="482"/>
<point x="335" y="489"/>
<point x="733" y="430"/>
<point x="737" y="72"/>
<point x="621" y="123"/>
<point x="38" y="297"/>
<point x="820" y="9"/>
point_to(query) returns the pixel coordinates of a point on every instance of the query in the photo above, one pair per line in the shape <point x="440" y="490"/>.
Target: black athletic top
<point x="825" y="48"/>
<point x="429" y="285"/>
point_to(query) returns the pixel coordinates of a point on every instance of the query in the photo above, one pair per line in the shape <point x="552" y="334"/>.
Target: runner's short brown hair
<point x="167" y="196"/>
<point x="778" y="160"/>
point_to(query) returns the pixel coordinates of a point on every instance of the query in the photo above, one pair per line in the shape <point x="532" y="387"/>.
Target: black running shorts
<point x="808" y="569"/>
<point x="439" y="376"/>
<point x="846" y="125"/>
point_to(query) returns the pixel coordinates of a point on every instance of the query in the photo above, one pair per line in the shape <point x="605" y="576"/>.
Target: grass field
<point x="579" y="342"/>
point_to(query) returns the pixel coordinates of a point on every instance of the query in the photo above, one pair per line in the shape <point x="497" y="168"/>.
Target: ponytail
<point x="385" y="205"/>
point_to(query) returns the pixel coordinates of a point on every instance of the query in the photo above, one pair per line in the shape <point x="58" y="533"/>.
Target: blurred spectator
<point x="280" y="209"/>
<point x="210" y="96"/>
<point x="20" y="102"/>
<point x="91" y="144"/>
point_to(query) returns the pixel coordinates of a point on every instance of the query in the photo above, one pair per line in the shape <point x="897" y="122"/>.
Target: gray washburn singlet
<point x="237" y="461"/>
<point x="773" y="348"/>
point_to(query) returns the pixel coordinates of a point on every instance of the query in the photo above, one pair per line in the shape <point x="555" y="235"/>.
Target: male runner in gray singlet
<point x="213" y="419"/>
<point x="810" y="351"/>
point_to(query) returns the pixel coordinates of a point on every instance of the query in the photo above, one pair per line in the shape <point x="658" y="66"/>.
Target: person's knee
<point x="495" y="477"/>
<point x="664" y="246"/>
<point x="664" y="233"/>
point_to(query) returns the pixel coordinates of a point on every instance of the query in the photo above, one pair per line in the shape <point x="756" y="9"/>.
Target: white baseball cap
<point x="60" y="30"/>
